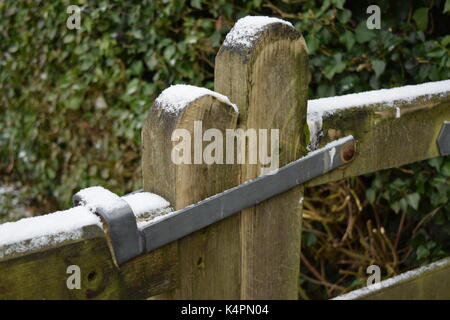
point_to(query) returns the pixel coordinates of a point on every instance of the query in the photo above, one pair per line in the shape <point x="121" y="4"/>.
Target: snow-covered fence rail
<point x="36" y="255"/>
<point x="261" y="79"/>
<point x="393" y="127"/>
<point x="430" y="282"/>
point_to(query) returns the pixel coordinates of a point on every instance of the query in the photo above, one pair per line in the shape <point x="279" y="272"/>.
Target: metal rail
<point x="220" y="206"/>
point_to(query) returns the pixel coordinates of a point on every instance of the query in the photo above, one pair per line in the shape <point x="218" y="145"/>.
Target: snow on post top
<point x="246" y="30"/>
<point x="177" y="97"/>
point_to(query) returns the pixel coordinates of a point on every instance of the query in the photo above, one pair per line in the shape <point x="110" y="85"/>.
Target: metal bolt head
<point x="444" y="139"/>
<point x="348" y="152"/>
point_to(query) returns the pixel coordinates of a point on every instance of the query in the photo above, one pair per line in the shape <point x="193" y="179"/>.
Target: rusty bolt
<point x="348" y="152"/>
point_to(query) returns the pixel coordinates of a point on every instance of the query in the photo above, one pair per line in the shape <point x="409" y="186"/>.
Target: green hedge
<point x="72" y="103"/>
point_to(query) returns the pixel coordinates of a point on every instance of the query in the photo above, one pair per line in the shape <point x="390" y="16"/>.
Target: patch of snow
<point x="384" y="96"/>
<point x="94" y="197"/>
<point x="332" y="153"/>
<point x="246" y="30"/>
<point x="30" y="234"/>
<point x="144" y="202"/>
<point x="314" y="121"/>
<point x="6" y="190"/>
<point x="177" y="97"/>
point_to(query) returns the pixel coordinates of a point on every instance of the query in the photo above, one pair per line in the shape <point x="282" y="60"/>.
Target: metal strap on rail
<point x="444" y="139"/>
<point x="124" y="238"/>
<point x="129" y="241"/>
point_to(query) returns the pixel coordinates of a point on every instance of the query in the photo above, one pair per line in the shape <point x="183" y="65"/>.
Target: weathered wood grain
<point x="209" y="258"/>
<point x="428" y="282"/>
<point x="42" y="275"/>
<point x="268" y="81"/>
<point x="384" y="141"/>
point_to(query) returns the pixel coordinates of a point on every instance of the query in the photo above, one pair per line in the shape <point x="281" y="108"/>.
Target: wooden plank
<point x="34" y="260"/>
<point x="42" y="275"/>
<point x="266" y="75"/>
<point x="384" y="140"/>
<point x="209" y="258"/>
<point x="428" y="282"/>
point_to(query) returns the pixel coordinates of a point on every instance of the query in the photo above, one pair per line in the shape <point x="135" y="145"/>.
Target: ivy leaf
<point x="445" y="170"/>
<point x="339" y="3"/>
<point x="403" y="204"/>
<point x="437" y="53"/>
<point x="132" y="86"/>
<point x="446" y="40"/>
<point x="363" y="34"/>
<point x="413" y="200"/>
<point x="197" y="4"/>
<point x="169" y="52"/>
<point x="310" y="239"/>
<point x="370" y="194"/>
<point x="378" y="66"/>
<point x="345" y="15"/>
<point x="420" y="16"/>
<point x="348" y="39"/>
<point x="395" y="206"/>
<point x="312" y="43"/>
<point x="436" y="163"/>
<point x="446" y="6"/>
<point x="331" y="69"/>
<point x="422" y="252"/>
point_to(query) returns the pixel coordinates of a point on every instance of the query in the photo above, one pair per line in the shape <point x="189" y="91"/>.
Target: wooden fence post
<point x="254" y="254"/>
<point x="262" y="67"/>
<point x="208" y="259"/>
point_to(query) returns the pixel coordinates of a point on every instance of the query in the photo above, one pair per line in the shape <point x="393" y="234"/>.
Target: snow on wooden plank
<point x="32" y="234"/>
<point x="421" y="283"/>
<point x="79" y="223"/>
<point x="177" y="97"/>
<point x="384" y="98"/>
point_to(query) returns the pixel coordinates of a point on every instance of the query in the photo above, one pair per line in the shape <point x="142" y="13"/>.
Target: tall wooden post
<point x="262" y="67"/>
<point x="254" y="254"/>
<point x="208" y="259"/>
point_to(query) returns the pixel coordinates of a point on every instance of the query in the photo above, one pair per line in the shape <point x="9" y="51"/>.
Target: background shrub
<point x="72" y="104"/>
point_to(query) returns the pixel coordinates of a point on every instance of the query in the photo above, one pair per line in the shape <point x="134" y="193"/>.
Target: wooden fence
<point x="261" y="73"/>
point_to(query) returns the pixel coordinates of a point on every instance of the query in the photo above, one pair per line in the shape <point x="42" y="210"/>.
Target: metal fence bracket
<point x="444" y="139"/>
<point x="124" y="238"/>
<point x="127" y="241"/>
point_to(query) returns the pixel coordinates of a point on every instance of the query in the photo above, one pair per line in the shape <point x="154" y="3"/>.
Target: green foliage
<point x="422" y="192"/>
<point x="72" y="103"/>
